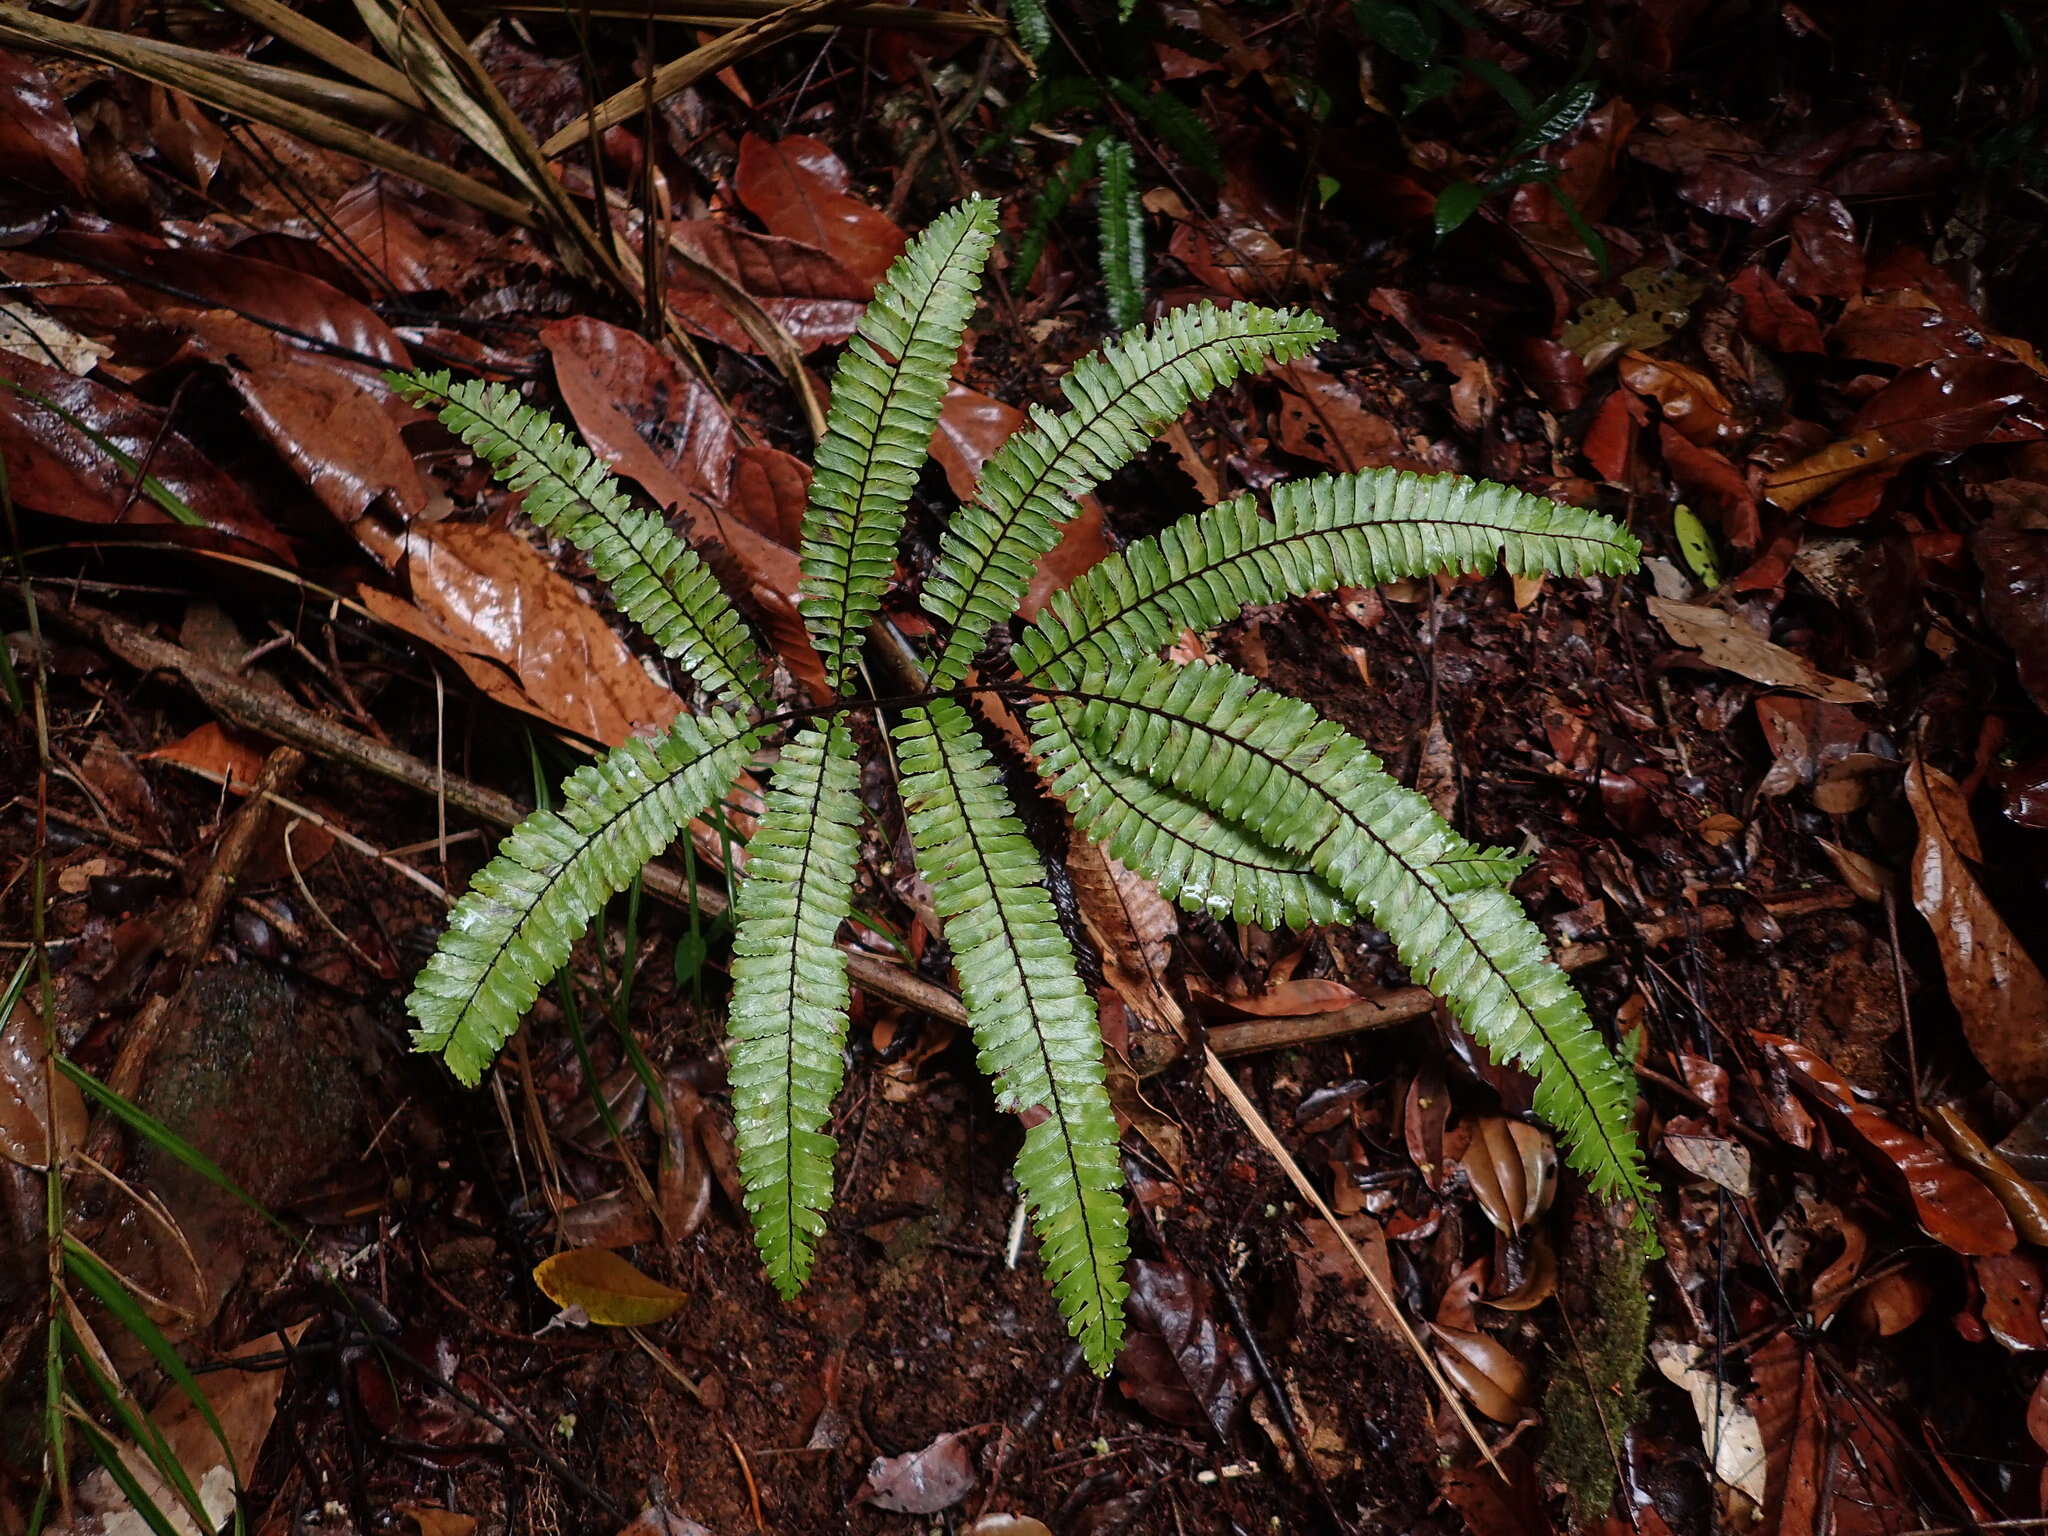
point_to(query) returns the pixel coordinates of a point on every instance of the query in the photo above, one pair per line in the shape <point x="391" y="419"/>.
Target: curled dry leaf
<point x="1527" y="1274"/>
<point x="1512" y="1167"/>
<point x="1996" y="986"/>
<point x="920" y="1482"/>
<point x="1717" y="1159"/>
<point x="1728" y="1424"/>
<point x="1692" y="403"/>
<point x="798" y="188"/>
<point x="610" y="1291"/>
<point x="1492" y="1379"/>
<point x="2024" y="1200"/>
<point x="1733" y="646"/>
<point x="1952" y="1205"/>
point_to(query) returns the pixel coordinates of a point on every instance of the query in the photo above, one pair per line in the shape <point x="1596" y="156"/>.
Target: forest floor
<point x="1761" y="281"/>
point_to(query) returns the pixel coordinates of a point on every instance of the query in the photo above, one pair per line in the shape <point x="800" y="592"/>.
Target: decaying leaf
<point x="1180" y="1360"/>
<point x="1953" y="1206"/>
<point x="1734" y="647"/>
<point x="921" y="1482"/>
<point x="611" y="1292"/>
<point x="1997" y="987"/>
<point x="1492" y="1378"/>
<point x="1728" y="1424"/>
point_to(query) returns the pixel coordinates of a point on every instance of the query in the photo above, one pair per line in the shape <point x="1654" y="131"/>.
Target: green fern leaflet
<point x="1237" y="802"/>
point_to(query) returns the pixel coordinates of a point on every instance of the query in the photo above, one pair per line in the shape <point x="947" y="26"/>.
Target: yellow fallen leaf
<point x="610" y="1291"/>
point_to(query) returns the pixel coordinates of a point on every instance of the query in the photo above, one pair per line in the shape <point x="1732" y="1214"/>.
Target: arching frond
<point x="886" y="394"/>
<point x="510" y="934"/>
<point x="1119" y="399"/>
<point x="1194" y="856"/>
<point x="1337" y="531"/>
<point x="787" y="1029"/>
<point x="656" y="579"/>
<point x="1033" y="1021"/>
<point x="1301" y="782"/>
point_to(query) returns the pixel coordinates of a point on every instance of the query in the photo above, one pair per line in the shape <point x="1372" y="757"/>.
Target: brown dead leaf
<point x="243" y="1403"/>
<point x="611" y="1292"/>
<point x="522" y="632"/>
<point x="920" y="1482"/>
<point x="1733" y="646"/>
<point x="29" y="1093"/>
<point x="1322" y="420"/>
<point x="432" y="1520"/>
<point x="210" y="748"/>
<point x="1952" y="1205"/>
<point x="1996" y="986"/>
<point x="1692" y="403"/>
<point x="1486" y="1371"/>
<point x="801" y="288"/>
<point x="798" y="188"/>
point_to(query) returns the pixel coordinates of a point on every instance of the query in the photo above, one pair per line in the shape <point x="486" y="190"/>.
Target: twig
<point x="1248" y="1112"/>
<point x="193" y="928"/>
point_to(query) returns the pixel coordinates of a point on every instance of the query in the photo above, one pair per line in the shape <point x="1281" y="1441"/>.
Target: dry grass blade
<point x="434" y="56"/>
<point x="309" y="37"/>
<point x="1255" y="1122"/>
<point x="678" y="74"/>
<point x="230" y="86"/>
<point x="896" y="18"/>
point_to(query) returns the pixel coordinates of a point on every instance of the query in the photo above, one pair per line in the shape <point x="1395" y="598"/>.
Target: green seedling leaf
<point x="1456" y="204"/>
<point x="1696" y="545"/>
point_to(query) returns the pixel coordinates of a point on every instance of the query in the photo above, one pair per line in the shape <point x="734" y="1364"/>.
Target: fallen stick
<point x="274" y="715"/>
<point x="1396" y="1005"/>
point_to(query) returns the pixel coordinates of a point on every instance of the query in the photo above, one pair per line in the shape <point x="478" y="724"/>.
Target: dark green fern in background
<point x="1239" y="802"/>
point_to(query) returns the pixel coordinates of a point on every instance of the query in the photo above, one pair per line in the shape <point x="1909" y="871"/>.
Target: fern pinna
<point x="1239" y="802"/>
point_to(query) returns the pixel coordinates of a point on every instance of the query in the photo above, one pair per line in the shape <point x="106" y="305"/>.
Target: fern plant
<point x="1238" y="802"/>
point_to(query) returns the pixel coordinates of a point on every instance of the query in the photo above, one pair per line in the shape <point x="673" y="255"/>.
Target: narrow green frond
<point x="657" y="580"/>
<point x="886" y="395"/>
<point x="1052" y="201"/>
<point x="1336" y="531"/>
<point x="1302" y="783"/>
<point x="1119" y="399"/>
<point x="1033" y="1021"/>
<point x="1123" y="235"/>
<point x="526" y="908"/>
<point x="787" y="1031"/>
<point x="1175" y="122"/>
<point x="1195" y="857"/>
<point x="1032" y="26"/>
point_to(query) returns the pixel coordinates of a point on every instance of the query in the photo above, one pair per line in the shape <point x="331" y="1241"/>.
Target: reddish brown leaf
<point x="641" y="411"/>
<point x="327" y="419"/>
<point x="1320" y="419"/>
<point x="1953" y="1207"/>
<point x="524" y="635"/>
<point x="1610" y="442"/>
<point x="1242" y="261"/>
<point x="972" y="426"/>
<point x="768" y="492"/>
<point x="1772" y="317"/>
<point x="2013" y="1293"/>
<point x="1709" y="479"/>
<point x="803" y="289"/>
<point x="1996" y="986"/>
<point x="1297" y="998"/>
<point x="2011" y="547"/>
<point x="1486" y="1371"/>
<point x="55" y="467"/>
<point x="1691" y="402"/>
<point x="1179" y="1360"/>
<point x="38" y="141"/>
<point x="797" y="187"/>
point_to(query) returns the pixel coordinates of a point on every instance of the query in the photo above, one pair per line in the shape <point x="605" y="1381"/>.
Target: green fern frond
<point x="1052" y="201"/>
<point x="526" y="908"/>
<point x="886" y="395"/>
<point x="1122" y="222"/>
<point x="1355" y="530"/>
<point x="787" y="1028"/>
<point x="1119" y="400"/>
<point x="1196" y="858"/>
<point x="657" y="580"/>
<point x="1175" y="122"/>
<point x="1302" y="783"/>
<point x="1033" y="1021"/>
<point x="1032" y="25"/>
